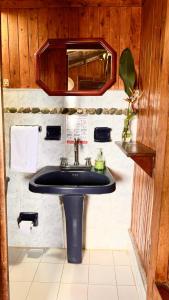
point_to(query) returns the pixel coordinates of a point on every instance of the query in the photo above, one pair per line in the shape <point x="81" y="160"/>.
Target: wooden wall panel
<point x="13" y="45"/>
<point x="114" y="35"/>
<point x="135" y="31"/>
<point x="5" y="45"/>
<point x="104" y="23"/>
<point x="4" y="276"/>
<point x="83" y="22"/>
<point x="33" y="43"/>
<point x="125" y="25"/>
<point x="43" y="33"/>
<point x="24" y="30"/>
<point x="58" y="23"/>
<point x="73" y="26"/>
<point x="93" y="19"/>
<point x="150" y="213"/>
<point x="23" y="48"/>
<point x="143" y="195"/>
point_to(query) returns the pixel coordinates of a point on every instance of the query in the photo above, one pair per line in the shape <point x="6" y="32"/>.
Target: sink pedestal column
<point x="73" y="206"/>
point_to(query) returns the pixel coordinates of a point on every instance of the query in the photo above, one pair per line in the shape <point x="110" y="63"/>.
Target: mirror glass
<point x="81" y="67"/>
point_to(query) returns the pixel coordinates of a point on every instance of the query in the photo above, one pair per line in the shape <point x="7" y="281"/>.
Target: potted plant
<point x="128" y="75"/>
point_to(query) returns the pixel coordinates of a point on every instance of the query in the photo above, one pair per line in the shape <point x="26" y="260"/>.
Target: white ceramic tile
<point x="101" y="257"/>
<point x="98" y="292"/>
<point x="127" y="292"/>
<point x="14" y="253"/>
<point x="85" y="257"/>
<point x="121" y="258"/>
<point x="13" y="204"/>
<point x="72" y="292"/>
<point x="100" y="238"/>
<point x="19" y="290"/>
<point x="43" y="291"/>
<point x="48" y="272"/>
<point x="23" y="272"/>
<point x="54" y="255"/>
<point x="73" y="273"/>
<point x="31" y="255"/>
<point x="124" y="275"/>
<point x="102" y="275"/>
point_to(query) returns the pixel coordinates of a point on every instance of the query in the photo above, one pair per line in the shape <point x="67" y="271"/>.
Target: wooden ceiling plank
<point x="66" y="3"/>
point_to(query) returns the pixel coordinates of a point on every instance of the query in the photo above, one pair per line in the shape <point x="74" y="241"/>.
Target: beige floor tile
<point x="124" y="275"/>
<point x="31" y="255"/>
<point x="121" y="258"/>
<point x="53" y="255"/>
<point x="127" y="292"/>
<point x="85" y="257"/>
<point x="102" y="275"/>
<point x="98" y="292"/>
<point x="75" y="273"/>
<point x="48" y="272"/>
<point x="23" y="272"/>
<point x="43" y="291"/>
<point x="101" y="257"/>
<point x="19" y="290"/>
<point x="72" y="292"/>
<point x="14" y="253"/>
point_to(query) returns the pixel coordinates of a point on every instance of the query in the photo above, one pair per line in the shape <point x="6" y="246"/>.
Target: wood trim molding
<point x="4" y="289"/>
<point x="67" y="3"/>
<point x="139" y="262"/>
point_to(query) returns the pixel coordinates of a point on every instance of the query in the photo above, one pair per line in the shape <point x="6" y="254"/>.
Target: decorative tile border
<point x="66" y="111"/>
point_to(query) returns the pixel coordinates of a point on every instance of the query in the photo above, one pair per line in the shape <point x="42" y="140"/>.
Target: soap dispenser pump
<point x="100" y="162"/>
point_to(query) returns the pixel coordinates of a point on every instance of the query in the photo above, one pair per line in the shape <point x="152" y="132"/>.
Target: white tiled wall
<point x="106" y="217"/>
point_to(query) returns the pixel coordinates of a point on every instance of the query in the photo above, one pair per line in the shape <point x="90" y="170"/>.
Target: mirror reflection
<point x="88" y="69"/>
<point x="75" y="67"/>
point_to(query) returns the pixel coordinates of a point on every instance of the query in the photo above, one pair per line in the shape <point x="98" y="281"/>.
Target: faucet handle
<point x="63" y="161"/>
<point x="88" y="161"/>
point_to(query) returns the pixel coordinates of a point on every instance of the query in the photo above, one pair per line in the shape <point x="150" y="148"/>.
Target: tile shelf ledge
<point x="141" y="154"/>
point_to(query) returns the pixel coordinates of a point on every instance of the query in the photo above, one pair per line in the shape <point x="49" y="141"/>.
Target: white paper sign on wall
<point x="76" y="127"/>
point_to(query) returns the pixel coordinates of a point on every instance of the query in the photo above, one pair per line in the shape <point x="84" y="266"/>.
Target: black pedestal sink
<point x="72" y="184"/>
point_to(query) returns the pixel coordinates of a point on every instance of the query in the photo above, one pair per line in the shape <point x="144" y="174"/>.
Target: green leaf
<point x="127" y="71"/>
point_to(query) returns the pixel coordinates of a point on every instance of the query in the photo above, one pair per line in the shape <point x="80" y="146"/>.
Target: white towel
<point x="24" y="148"/>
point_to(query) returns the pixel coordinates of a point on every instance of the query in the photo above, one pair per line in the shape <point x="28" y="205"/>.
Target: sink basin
<point x="72" y="183"/>
<point x="55" y="180"/>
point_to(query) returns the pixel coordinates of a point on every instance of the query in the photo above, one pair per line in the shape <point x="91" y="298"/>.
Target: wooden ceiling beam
<point x="65" y="3"/>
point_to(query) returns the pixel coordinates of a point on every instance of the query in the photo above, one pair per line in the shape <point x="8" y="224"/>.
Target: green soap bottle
<point x="100" y="162"/>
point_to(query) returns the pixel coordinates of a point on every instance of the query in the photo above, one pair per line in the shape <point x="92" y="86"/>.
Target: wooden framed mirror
<point x="75" y="67"/>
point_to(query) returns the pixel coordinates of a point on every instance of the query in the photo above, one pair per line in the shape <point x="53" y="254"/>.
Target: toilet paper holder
<point x="28" y="216"/>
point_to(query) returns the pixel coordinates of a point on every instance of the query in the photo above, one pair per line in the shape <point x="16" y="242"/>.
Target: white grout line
<point x="28" y="291"/>
<point x="32" y="281"/>
<point x="88" y="276"/>
<point x="115" y="276"/>
<point x="60" y="281"/>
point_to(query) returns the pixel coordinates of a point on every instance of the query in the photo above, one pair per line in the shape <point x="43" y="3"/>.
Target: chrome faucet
<point x="63" y="162"/>
<point x="76" y="151"/>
